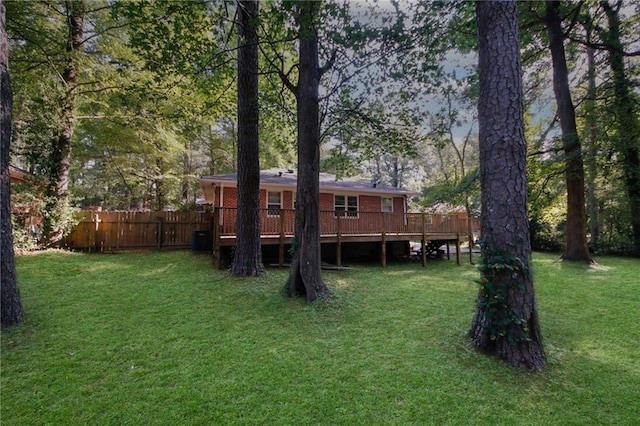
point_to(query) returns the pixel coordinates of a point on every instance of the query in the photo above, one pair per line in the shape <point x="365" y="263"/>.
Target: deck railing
<point x="112" y="231"/>
<point x="282" y="221"/>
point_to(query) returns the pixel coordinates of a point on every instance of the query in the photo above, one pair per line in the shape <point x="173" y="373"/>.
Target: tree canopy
<point x="153" y="105"/>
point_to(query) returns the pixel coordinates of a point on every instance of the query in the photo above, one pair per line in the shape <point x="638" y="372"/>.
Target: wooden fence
<point x="131" y="230"/>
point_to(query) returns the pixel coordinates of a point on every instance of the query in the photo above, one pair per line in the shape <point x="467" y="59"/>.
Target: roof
<point x="287" y="178"/>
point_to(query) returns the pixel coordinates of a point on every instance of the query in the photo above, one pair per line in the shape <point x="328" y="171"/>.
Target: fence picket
<point x="125" y="230"/>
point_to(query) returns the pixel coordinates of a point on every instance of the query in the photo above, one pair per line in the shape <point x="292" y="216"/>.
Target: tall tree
<point x="58" y="182"/>
<point x="11" y="305"/>
<point x="305" y="277"/>
<point x="627" y="135"/>
<point x="506" y="320"/>
<point x="247" y="254"/>
<point x="576" y="247"/>
<point x="591" y="139"/>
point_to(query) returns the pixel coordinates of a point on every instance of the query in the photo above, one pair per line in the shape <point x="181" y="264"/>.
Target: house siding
<point x="366" y="203"/>
<point x="367" y="206"/>
<point x="369" y="203"/>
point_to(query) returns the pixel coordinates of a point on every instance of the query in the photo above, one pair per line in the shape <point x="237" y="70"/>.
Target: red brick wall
<point x="229" y="195"/>
<point x="287" y="199"/>
<point x="398" y="205"/>
<point x="369" y="203"/>
<point x="263" y="198"/>
<point x="326" y="201"/>
<point x="366" y="203"/>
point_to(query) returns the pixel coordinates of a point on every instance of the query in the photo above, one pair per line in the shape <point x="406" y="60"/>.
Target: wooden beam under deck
<point x="382" y="238"/>
<point x="229" y="241"/>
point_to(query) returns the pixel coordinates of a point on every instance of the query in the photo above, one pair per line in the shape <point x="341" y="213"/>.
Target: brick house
<point x="368" y="219"/>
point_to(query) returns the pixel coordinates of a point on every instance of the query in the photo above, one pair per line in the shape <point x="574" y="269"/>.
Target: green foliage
<point x="545" y="237"/>
<point x="455" y="193"/>
<point x="31" y="208"/>
<point x="499" y="275"/>
<point x="27" y="211"/>
<point x="294" y="245"/>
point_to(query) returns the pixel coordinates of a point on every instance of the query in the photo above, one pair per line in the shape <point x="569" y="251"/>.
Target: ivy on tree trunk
<point x="506" y="320"/>
<point x="58" y="185"/>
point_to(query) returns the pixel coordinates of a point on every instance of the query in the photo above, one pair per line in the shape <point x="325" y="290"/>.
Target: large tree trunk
<point x="58" y="185"/>
<point x="576" y="245"/>
<point x="246" y="260"/>
<point x="11" y="306"/>
<point x="506" y="320"/>
<point x="305" y="277"/>
<point x="627" y="122"/>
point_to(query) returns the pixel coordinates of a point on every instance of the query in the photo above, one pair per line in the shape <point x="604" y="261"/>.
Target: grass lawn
<point x="163" y="338"/>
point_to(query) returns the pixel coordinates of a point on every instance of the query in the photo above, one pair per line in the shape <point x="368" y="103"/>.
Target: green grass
<point x="163" y="338"/>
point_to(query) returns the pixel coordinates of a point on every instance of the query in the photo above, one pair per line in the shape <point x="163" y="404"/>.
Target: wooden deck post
<point x="457" y="249"/>
<point x="384" y="243"/>
<point x="423" y="242"/>
<point x="281" y="242"/>
<point x="339" y="240"/>
<point x="470" y="236"/>
<point x="216" y="238"/>
<point x="96" y="233"/>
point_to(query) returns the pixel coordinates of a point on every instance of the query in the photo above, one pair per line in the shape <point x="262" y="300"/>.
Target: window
<point x="346" y="203"/>
<point x="274" y="203"/>
<point x="387" y="205"/>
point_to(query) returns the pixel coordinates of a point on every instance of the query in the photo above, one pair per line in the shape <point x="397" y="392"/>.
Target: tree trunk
<point x="58" y="185"/>
<point x="627" y="136"/>
<point x="246" y="261"/>
<point x="11" y="306"/>
<point x="506" y="320"/>
<point x="576" y="246"/>
<point x="158" y="183"/>
<point x="305" y="277"/>
<point x="592" y="146"/>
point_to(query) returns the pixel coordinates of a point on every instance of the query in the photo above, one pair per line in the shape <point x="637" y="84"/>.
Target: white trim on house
<point x="382" y="204"/>
<point x="346" y="206"/>
<point x="274" y="211"/>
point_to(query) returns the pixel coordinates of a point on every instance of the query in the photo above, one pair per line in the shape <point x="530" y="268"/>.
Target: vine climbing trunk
<point x="58" y="180"/>
<point x="506" y="320"/>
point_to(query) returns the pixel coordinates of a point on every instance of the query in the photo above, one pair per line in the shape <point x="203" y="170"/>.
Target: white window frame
<point x="382" y="204"/>
<point x="271" y="207"/>
<point x="345" y="207"/>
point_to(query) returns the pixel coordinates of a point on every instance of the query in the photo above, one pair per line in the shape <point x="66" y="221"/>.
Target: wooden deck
<point x="277" y="228"/>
